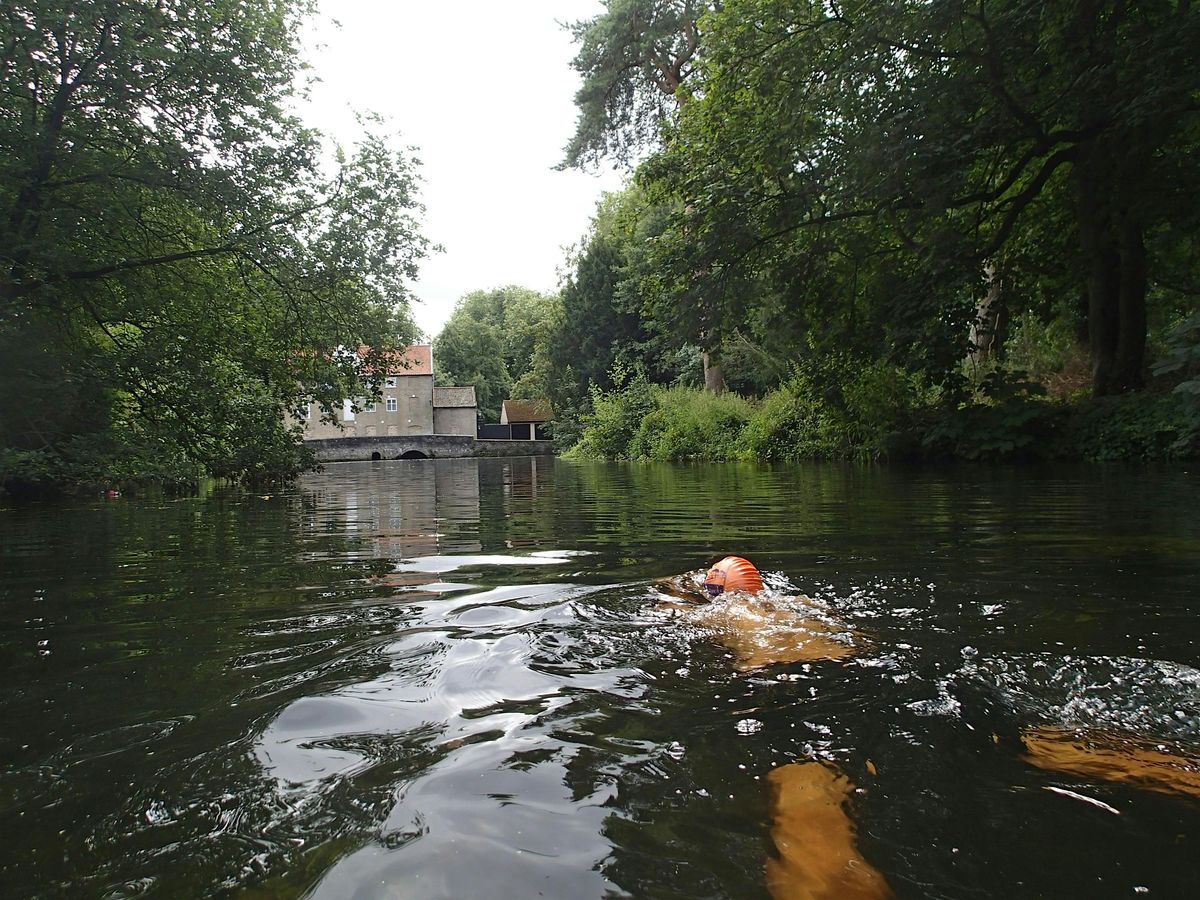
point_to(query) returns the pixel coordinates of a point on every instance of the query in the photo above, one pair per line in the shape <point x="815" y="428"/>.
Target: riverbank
<point x="34" y="474"/>
<point x="1004" y="421"/>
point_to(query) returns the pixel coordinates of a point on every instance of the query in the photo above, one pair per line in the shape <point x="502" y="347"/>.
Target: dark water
<point x="450" y="679"/>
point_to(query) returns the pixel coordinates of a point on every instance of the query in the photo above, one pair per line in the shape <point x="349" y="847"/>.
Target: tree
<point x="169" y="240"/>
<point x="601" y="333"/>
<point x="916" y="143"/>
<point x="489" y="342"/>
<point x="635" y="59"/>
<point x="471" y="352"/>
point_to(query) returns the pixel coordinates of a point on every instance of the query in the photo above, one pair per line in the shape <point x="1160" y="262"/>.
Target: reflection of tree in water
<point x="520" y="501"/>
<point x="174" y="626"/>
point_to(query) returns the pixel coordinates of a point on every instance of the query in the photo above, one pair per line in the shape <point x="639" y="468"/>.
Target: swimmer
<point x="730" y="601"/>
<point x="731" y="574"/>
<point x="811" y="826"/>
<point x="1158" y="766"/>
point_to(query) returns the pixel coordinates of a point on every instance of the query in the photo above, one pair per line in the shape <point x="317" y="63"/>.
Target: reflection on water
<point x="456" y="678"/>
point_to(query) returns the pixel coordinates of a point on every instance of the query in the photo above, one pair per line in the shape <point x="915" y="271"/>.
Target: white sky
<point x="485" y="92"/>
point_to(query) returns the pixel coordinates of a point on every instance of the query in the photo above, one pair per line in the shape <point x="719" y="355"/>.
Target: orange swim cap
<point x="733" y="574"/>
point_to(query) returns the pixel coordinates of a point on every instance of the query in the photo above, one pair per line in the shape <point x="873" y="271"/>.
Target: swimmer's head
<point x="732" y="574"/>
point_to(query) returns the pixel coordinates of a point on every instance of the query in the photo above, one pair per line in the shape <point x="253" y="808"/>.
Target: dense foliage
<point x="797" y="421"/>
<point x="633" y="60"/>
<point x="488" y="343"/>
<point x="908" y="227"/>
<point x="176" y="260"/>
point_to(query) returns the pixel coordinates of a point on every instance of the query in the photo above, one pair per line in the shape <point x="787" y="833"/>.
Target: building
<point x="407" y="406"/>
<point x="454" y="411"/>
<point x="526" y="419"/>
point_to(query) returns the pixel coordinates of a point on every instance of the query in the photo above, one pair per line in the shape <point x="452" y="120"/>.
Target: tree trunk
<point x="1114" y="257"/>
<point x="714" y="378"/>
<point x="25" y="217"/>
<point x="987" y="331"/>
<point x="1103" y="273"/>
<point x="1131" y="307"/>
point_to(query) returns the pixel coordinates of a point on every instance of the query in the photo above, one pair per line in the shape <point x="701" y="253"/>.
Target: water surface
<point x="454" y="679"/>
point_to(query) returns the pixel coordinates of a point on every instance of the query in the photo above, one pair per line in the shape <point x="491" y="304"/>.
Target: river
<point x="455" y="679"/>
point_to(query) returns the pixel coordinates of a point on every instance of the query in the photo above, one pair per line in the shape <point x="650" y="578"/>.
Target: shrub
<point x="92" y="462"/>
<point x="791" y="424"/>
<point x="615" y="418"/>
<point x="1134" y="427"/>
<point x="1006" y="418"/>
<point x="838" y="407"/>
<point x="833" y="406"/>
<point x="689" y="423"/>
<point x="1182" y="357"/>
<point x="1041" y="349"/>
<point x="645" y="421"/>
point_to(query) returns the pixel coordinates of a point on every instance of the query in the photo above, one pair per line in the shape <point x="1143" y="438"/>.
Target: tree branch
<point x="1020" y="201"/>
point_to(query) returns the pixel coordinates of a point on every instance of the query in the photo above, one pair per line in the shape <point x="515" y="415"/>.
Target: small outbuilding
<point x="454" y="410"/>
<point x="527" y="420"/>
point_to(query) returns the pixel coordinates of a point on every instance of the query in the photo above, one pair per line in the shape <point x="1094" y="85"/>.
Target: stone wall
<point x="454" y="420"/>
<point x="430" y="446"/>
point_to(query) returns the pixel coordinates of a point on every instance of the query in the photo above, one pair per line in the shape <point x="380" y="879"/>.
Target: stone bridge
<point x="421" y="446"/>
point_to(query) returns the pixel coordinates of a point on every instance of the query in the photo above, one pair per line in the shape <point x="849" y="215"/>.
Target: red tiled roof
<point x="525" y="411"/>
<point x="416" y="359"/>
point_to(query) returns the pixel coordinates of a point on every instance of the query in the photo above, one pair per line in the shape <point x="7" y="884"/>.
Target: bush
<point x="615" y="418"/>
<point x="25" y="470"/>
<point x="1041" y="349"/>
<point x="838" y="407"/>
<point x="1135" y="427"/>
<point x="835" y="406"/>
<point x="1006" y="418"/>
<point x="94" y="462"/>
<point x="645" y="421"/>
<point x="790" y="424"/>
<point x="1181" y="361"/>
<point x="688" y="423"/>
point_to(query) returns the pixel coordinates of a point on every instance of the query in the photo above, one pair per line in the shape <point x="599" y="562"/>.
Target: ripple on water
<point x="1125" y="694"/>
<point x="439" y="564"/>
<point x="491" y="700"/>
<point x="489" y="660"/>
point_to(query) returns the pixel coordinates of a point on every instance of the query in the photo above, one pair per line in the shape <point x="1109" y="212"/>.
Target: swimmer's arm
<point x="683" y="587"/>
<point x="817" y="856"/>
<point x="1113" y="757"/>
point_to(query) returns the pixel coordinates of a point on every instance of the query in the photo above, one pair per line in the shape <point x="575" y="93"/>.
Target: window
<point x="391" y="404"/>
<point x="347" y="410"/>
<point x="389" y="382"/>
<point x="307" y="412"/>
<point x="372" y="406"/>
